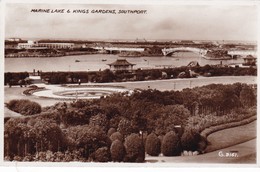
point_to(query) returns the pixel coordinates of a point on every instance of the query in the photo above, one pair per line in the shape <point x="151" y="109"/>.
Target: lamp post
<point x="141" y="133"/>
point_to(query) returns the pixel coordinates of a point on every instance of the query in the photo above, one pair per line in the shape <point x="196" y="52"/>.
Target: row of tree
<point x="140" y="75"/>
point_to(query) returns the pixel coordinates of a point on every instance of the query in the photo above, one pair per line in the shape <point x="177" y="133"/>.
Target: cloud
<point x="161" y="22"/>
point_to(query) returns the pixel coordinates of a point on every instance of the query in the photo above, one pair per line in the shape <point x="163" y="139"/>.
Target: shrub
<point x="111" y="131"/>
<point x="24" y="107"/>
<point x="99" y="120"/>
<point x="102" y="155"/>
<point x="125" y="127"/>
<point x="190" y="140"/>
<point x="171" y="144"/>
<point x="134" y="149"/>
<point x="117" y="151"/>
<point x="153" y="145"/>
<point x="116" y="136"/>
<point x="89" y="138"/>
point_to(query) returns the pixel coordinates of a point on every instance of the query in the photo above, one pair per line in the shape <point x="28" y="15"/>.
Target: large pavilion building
<point x="121" y="65"/>
<point x="249" y="60"/>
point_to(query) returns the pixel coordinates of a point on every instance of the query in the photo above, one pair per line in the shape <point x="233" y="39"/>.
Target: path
<point x="231" y="136"/>
<point x="162" y="85"/>
<point x="241" y="139"/>
<point x="246" y="155"/>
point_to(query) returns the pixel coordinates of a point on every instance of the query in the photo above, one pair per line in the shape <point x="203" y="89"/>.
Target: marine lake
<point x="97" y="62"/>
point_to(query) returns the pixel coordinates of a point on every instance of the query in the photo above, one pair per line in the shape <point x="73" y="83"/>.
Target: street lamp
<point x="141" y="133"/>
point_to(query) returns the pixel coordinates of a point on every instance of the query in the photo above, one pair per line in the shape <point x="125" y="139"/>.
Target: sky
<point x="190" y="22"/>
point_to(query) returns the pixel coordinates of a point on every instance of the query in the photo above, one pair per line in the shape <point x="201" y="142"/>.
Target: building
<point x="29" y="45"/>
<point x="34" y="45"/>
<point x="14" y="39"/>
<point x="57" y="45"/>
<point x="249" y="60"/>
<point x="121" y="65"/>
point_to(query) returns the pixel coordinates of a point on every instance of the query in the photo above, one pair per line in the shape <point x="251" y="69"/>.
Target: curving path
<point x="246" y="155"/>
<point x="241" y="139"/>
<point x="231" y="136"/>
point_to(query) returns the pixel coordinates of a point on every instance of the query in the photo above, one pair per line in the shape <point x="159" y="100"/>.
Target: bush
<point x="99" y="120"/>
<point x="117" y="151"/>
<point x="171" y="144"/>
<point x="111" y="131"/>
<point x="125" y="127"/>
<point x="117" y="136"/>
<point x="102" y="155"/>
<point x="89" y="138"/>
<point x="153" y="145"/>
<point x="190" y="140"/>
<point x="134" y="149"/>
<point x="24" y="107"/>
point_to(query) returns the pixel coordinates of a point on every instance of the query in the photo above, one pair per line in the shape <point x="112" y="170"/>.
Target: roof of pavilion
<point x="121" y="62"/>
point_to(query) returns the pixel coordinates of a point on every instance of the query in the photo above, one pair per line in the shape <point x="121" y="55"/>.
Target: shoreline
<point x="47" y="56"/>
<point x="122" y="56"/>
<point x="212" y="58"/>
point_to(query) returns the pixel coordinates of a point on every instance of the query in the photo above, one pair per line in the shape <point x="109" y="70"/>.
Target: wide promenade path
<point x="179" y="84"/>
<point x="171" y="84"/>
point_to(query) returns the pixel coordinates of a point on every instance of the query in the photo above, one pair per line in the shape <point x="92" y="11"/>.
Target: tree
<point x="190" y="140"/>
<point x="117" y="151"/>
<point x="16" y="135"/>
<point x="102" y="155"/>
<point x="171" y="144"/>
<point x="247" y="96"/>
<point x="107" y="76"/>
<point x="134" y="146"/>
<point x="111" y="131"/>
<point x="116" y="136"/>
<point x="169" y="116"/>
<point x="24" y="106"/>
<point x="153" y="145"/>
<point x="87" y="137"/>
<point x="125" y="127"/>
<point x="99" y="120"/>
<point x="49" y="136"/>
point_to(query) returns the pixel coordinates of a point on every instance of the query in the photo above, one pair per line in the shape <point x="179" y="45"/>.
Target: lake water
<point x="95" y="63"/>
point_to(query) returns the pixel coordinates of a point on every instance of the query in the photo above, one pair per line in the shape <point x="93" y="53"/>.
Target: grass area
<point x="231" y="136"/>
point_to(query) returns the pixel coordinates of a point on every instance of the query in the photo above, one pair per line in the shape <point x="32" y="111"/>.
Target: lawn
<point x="231" y="136"/>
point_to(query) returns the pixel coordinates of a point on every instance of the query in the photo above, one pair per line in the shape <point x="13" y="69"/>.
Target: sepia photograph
<point x="126" y="83"/>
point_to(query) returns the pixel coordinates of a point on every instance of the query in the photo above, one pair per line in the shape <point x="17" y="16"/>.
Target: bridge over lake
<point x="168" y="51"/>
<point x="119" y="49"/>
<point x="203" y="52"/>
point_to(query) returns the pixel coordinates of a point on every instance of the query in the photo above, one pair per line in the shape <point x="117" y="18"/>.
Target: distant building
<point x="14" y="39"/>
<point x="121" y="65"/>
<point x="57" y="45"/>
<point x="29" y="45"/>
<point x="34" y="44"/>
